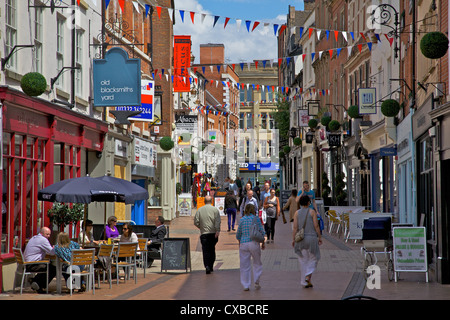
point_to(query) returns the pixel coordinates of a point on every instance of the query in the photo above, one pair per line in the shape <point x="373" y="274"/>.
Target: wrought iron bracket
<point x="6" y="59"/>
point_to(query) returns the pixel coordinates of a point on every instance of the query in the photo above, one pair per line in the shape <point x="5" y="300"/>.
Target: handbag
<point x="255" y="232"/>
<point x="300" y="235"/>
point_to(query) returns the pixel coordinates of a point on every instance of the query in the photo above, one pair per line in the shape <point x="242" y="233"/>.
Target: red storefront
<point x="42" y="143"/>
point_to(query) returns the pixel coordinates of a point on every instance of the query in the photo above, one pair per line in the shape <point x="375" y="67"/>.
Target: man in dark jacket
<point x="156" y="238"/>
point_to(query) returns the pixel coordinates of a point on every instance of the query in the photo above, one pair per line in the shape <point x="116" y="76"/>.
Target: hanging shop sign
<point x="117" y="80"/>
<point x="313" y="108"/>
<point x="186" y="123"/>
<point x="181" y="61"/>
<point x="367" y="101"/>
<point x="303" y="117"/>
<point x="334" y="140"/>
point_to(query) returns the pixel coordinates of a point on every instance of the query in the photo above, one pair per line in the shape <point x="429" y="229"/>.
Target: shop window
<point x="154" y="187"/>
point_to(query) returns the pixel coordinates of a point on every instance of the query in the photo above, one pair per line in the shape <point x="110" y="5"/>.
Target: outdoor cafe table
<point x="347" y="209"/>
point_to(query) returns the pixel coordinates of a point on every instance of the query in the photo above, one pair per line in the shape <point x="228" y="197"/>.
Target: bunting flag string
<point x="277" y="29"/>
<point x="288" y="60"/>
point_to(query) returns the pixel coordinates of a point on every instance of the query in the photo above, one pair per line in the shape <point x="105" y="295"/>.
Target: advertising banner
<point x="147" y="105"/>
<point x="117" y="80"/>
<point x="410" y="249"/>
<point x="181" y="62"/>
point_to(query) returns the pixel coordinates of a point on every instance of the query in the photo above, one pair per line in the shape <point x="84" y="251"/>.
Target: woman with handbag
<point x="272" y="207"/>
<point x="250" y="249"/>
<point x="306" y="240"/>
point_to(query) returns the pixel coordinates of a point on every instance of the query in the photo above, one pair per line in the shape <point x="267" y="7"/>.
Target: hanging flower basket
<point x="390" y="108"/>
<point x="281" y="154"/>
<point x="353" y="112"/>
<point x="166" y="143"/>
<point x="297" y="141"/>
<point x="325" y="120"/>
<point x="313" y="123"/>
<point x="287" y="149"/>
<point x="33" y="84"/>
<point x="434" y="45"/>
<point x="334" y="125"/>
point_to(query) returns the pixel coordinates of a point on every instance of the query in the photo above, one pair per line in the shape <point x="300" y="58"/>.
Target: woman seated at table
<point x="128" y="234"/>
<point x="86" y="236"/>
<point x="63" y="250"/>
<point x="111" y="229"/>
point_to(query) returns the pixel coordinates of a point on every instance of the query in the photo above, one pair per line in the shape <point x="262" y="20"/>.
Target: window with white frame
<point x="60" y="22"/>
<point x="38" y="38"/>
<point x="11" y="30"/>
<point x="79" y="59"/>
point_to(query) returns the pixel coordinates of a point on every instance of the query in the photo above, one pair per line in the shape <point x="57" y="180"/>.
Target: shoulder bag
<point x="255" y="232"/>
<point x="300" y="235"/>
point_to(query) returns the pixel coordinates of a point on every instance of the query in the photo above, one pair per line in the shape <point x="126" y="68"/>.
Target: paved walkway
<point x="338" y="275"/>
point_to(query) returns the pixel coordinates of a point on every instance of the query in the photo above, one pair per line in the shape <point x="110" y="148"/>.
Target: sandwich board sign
<point x="410" y="250"/>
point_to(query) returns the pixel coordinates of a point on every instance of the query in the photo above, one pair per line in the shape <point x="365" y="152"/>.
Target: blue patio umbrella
<point x="80" y="190"/>
<point x="130" y="190"/>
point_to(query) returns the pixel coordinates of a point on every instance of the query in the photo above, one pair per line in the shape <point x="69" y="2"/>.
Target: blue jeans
<point x="231" y="213"/>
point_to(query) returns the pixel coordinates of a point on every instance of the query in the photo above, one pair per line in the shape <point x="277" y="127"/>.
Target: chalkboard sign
<point x="176" y="254"/>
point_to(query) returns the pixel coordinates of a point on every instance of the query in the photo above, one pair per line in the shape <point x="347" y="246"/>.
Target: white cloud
<point x="240" y="46"/>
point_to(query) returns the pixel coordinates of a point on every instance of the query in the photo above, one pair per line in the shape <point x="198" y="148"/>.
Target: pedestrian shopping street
<point x="339" y="275"/>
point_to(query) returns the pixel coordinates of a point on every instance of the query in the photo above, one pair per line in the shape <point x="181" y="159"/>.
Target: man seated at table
<point x="156" y="239"/>
<point x="36" y="250"/>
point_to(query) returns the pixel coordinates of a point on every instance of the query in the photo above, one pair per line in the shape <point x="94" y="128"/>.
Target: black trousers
<point x="40" y="278"/>
<point x="208" y="242"/>
<point x="270" y="227"/>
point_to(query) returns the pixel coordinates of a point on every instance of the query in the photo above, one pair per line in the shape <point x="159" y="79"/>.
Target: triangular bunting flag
<point x="310" y="32"/>
<point x="238" y="24"/>
<point x="170" y="12"/>
<point x="282" y="29"/>
<point x="336" y="34"/>
<point x="327" y="33"/>
<point x="192" y="16"/>
<point x="158" y="10"/>
<point x="255" y="24"/>
<point x="331" y="53"/>
<point x="275" y="28"/>
<point x="247" y="23"/>
<point x="338" y="51"/>
<point x="226" y="22"/>
<point x="301" y="32"/>
<point x="344" y="34"/>
<point x="182" y="15"/>
<point x="216" y="18"/>
<point x="107" y="3"/>
<point x="147" y="8"/>
<point x="360" y="47"/>
<point x="135" y="4"/>
<point x="122" y="5"/>
<point x="369" y="44"/>
<point x="389" y="39"/>
<point x="353" y="36"/>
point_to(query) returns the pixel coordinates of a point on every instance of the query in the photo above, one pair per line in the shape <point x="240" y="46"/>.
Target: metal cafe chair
<point x="22" y="266"/>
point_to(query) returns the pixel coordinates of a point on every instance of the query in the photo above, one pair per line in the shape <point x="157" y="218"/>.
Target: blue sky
<point x="240" y="45"/>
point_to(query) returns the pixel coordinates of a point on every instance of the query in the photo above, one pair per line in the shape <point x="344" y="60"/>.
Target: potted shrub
<point x="313" y="123"/>
<point x="434" y="45"/>
<point x="341" y="195"/>
<point x="326" y="190"/>
<point x="297" y="141"/>
<point x="281" y="154"/>
<point x="325" y="120"/>
<point x="353" y="112"/>
<point x="390" y="108"/>
<point x="33" y="84"/>
<point x="62" y="215"/>
<point x="287" y="149"/>
<point x="334" y="125"/>
<point x="166" y="143"/>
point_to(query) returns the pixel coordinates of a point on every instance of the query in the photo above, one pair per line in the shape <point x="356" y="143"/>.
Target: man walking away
<point x="207" y="219"/>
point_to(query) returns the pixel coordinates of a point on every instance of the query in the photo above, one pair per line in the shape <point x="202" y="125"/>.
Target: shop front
<point x="440" y="134"/>
<point x="382" y="150"/>
<point x="425" y="177"/>
<point x="42" y="143"/>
